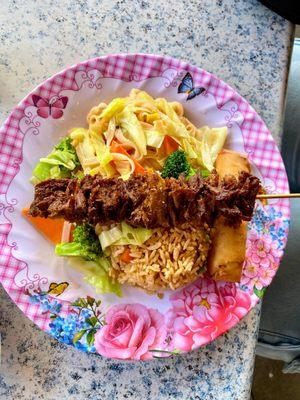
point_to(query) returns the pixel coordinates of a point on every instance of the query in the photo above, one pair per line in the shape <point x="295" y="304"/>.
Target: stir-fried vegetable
<point x="50" y="228"/>
<point x="129" y="123"/>
<point x="58" y="164"/>
<point x="177" y="164"/>
<point x="96" y="274"/>
<point x="85" y="244"/>
<point x="124" y="234"/>
<point x="118" y="148"/>
<point x="93" y="154"/>
<point x="85" y="255"/>
<point x="170" y="145"/>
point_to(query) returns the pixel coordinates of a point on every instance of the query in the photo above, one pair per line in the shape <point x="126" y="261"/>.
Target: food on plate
<point x="147" y="201"/>
<point x="145" y="193"/>
<point x="51" y="229"/>
<point x="62" y="162"/>
<point x="177" y="164"/>
<point x="227" y="253"/>
<point x="85" y="244"/>
<point x="170" y="258"/>
<point x="232" y="163"/>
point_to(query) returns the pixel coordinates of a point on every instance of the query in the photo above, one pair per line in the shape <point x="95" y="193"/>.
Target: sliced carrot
<point x="50" y="228"/>
<point x="118" y="148"/>
<point x="126" y="257"/>
<point x="170" y="145"/>
<point x="139" y="169"/>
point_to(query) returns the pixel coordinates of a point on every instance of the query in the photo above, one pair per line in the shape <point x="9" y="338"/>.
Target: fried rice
<point x="169" y="259"/>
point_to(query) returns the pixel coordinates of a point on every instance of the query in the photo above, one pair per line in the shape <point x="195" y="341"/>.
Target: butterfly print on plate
<point x="47" y="108"/>
<point x="187" y="86"/>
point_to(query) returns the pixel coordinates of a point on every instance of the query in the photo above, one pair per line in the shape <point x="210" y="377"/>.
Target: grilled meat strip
<point x="147" y="200"/>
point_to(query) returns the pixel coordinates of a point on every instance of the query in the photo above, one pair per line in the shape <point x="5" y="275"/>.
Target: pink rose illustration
<point x="204" y="310"/>
<point x="261" y="250"/>
<point x="266" y="276"/>
<point x="131" y="330"/>
<point x="262" y="260"/>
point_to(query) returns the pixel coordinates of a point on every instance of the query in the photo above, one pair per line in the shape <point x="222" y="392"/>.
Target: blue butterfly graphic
<point x="187" y="86"/>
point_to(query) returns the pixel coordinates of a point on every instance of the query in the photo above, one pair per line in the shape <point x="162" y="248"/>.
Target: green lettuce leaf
<point x="96" y="274"/>
<point x="58" y="164"/>
<point x="68" y="249"/>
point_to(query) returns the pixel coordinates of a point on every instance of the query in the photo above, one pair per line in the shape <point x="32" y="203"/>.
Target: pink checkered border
<point x="259" y="143"/>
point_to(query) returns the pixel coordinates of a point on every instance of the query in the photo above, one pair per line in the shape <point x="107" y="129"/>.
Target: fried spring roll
<point x="227" y="254"/>
<point x="231" y="163"/>
<point x="228" y="250"/>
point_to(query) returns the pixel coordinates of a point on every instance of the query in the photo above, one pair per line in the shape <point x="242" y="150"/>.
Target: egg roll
<point x="230" y="162"/>
<point x="227" y="254"/>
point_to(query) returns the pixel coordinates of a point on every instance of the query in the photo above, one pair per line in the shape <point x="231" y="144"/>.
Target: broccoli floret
<point x="86" y="236"/>
<point x="65" y="145"/>
<point x="85" y="244"/>
<point x="177" y="164"/>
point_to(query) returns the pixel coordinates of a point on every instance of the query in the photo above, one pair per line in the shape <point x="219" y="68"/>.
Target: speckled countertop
<point x="238" y="40"/>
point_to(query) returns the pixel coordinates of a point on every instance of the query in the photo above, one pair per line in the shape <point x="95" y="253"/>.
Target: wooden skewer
<point x="277" y="196"/>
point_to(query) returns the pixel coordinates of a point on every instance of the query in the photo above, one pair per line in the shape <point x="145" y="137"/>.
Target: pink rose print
<point x="262" y="260"/>
<point x="131" y="331"/>
<point x="262" y="250"/>
<point x="204" y="310"/>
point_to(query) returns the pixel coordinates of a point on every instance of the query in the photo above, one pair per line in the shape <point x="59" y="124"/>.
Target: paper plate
<point x="136" y="326"/>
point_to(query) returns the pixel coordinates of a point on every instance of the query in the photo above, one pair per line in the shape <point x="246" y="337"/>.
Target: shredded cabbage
<point x="92" y="152"/>
<point x="130" y="124"/>
<point x="96" y="274"/>
<point x="113" y="108"/>
<point x="132" y="235"/>
<point x="58" y="164"/>
<point x="110" y="237"/>
<point x="124" y="234"/>
<point x="154" y="136"/>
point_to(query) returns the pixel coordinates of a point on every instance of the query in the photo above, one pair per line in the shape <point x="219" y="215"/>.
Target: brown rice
<point x="170" y="258"/>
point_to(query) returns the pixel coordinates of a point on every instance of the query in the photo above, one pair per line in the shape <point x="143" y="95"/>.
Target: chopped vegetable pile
<point x="132" y="134"/>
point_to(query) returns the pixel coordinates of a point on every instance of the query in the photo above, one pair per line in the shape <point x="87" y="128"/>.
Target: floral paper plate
<point x="137" y="326"/>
